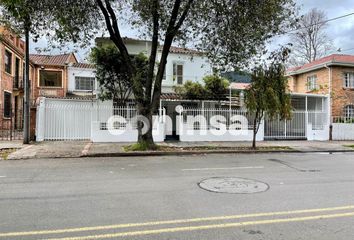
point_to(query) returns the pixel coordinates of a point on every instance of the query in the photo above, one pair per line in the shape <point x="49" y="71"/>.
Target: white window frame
<point x="175" y="73"/>
<point x="50" y="70"/>
<point x="311" y="82"/>
<point x="82" y="78"/>
<point x="348" y="80"/>
<point x="349" y="111"/>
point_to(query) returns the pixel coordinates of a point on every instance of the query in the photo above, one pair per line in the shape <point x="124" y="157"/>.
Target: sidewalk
<point x="73" y="149"/>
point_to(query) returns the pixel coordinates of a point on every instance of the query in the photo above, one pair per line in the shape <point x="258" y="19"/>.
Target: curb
<point x="184" y="153"/>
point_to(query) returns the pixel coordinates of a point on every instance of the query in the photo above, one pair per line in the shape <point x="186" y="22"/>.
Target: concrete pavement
<point x="59" y="149"/>
<point x="310" y="197"/>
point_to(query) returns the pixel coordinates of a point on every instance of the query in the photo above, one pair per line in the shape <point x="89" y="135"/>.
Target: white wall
<point x="194" y="68"/>
<point x="129" y="135"/>
<point x="188" y="135"/>
<point x="343" y="131"/>
<point x="81" y="72"/>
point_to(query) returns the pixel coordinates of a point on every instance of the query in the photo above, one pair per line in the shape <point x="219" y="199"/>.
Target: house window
<point x="349" y="80"/>
<point x="84" y="83"/>
<point x="312" y="83"/>
<point x="7" y="104"/>
<point x="349" y="111"/>
<point x="50" y="78"/>
<point x="164" y="75"/>
<point x="8" y="62"/>
<point x="178" y="73"/>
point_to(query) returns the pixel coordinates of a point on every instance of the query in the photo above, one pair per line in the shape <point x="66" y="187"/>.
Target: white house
<point x="183" y="64"/>
<point x="82" y="79"/>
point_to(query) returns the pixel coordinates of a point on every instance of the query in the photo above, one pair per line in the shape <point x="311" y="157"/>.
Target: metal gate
<point x="11" y="125"/>
<point x="287" y="129"/>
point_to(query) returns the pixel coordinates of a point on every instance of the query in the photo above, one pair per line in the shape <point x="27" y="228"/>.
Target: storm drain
<point x="233" y="185"/>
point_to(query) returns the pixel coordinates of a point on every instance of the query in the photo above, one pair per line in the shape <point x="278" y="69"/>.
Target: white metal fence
<point x="64" y="120"/>
<point x="297" y="126"/>
<point x="59" y="119"/>
<point x="203" y="117"/>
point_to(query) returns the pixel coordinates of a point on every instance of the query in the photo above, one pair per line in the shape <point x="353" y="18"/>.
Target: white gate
<point x="287" y="129"/>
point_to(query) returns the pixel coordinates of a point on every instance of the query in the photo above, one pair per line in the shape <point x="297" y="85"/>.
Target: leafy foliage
<point x="268" y="93"/>
<point x="114" y="81"/>
<point x="216" y="86"/>
<point x="191" y="90"/>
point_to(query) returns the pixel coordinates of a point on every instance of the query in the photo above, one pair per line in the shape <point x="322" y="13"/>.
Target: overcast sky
<point x="341" y="31"/>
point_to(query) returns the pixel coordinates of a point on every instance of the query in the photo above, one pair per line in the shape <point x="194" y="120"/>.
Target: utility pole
<point x="26" y="110"/>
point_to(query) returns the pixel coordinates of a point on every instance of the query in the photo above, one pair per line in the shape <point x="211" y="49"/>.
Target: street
<point x="305" y="196"/>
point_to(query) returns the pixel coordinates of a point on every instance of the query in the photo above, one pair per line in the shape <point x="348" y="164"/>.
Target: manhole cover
<point x="233" y="185"/>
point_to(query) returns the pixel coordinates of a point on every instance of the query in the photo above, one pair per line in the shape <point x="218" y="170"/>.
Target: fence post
<point x="40" y="121"/>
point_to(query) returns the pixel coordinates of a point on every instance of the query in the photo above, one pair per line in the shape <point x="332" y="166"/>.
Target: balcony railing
<point x="18" y="82"/>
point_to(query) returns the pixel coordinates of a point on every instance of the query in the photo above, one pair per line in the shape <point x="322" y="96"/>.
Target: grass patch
<point x="4" y="153"/>
<point x="165" y="148"/>
<point x="140" y="147"/>
<point x="350" y="146"/>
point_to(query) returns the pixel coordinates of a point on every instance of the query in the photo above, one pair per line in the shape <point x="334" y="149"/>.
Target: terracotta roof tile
<point x="333" y="59"/>
<point x="83" y="65"/>
<point x="59" y="60"/>
<point x="184" y="50"/>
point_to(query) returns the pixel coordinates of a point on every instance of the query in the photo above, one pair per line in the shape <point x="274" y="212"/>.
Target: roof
<point x="170" y="96"/>
<point x="334" y="59"/>
<point x="239" y="86"/>
<point x="56" y="60"/>
<point x="173" y="49"/>
<point x="184" y="50"/>
<point x="83" y="65"/>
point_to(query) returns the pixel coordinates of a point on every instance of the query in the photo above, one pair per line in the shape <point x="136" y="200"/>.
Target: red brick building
<point x="50" y="74"/>
<point x="12" y="50"/>
<point x="332" y="75"/>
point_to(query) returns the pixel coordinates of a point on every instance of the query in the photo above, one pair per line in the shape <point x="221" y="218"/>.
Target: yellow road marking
<point x="179" y="221"/>
<point x="206" y="227"/>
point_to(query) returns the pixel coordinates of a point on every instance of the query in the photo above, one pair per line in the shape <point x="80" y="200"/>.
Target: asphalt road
<point x="310" y="196"/>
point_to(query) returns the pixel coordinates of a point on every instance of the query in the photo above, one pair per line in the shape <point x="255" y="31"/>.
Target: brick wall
<point x="340" y="95"/>
<point x="38" y="91"/>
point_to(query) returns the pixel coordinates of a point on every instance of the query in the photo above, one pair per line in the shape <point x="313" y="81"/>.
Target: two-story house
<point x="332" y="75"/>
<point x="61" y="76"/>
<point x="12" y="50"/>
<point x="183" y="64"/>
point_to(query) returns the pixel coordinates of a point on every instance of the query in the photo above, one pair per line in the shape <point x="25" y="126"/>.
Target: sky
<point x="341" y="31"/>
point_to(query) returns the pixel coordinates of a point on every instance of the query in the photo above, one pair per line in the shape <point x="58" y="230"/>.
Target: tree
<point x="268" y="93"/>
<point x="216" y="86"/>
<point x="310" y="41"/>
<point x="191" y="90"/>
<point x="111" y="73"/>
<point x="229" y="31"/>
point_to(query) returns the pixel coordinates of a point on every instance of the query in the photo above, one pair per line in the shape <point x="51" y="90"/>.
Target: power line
<point x="322" y="22"/>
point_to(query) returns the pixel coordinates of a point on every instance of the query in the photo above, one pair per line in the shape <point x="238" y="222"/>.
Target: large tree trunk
<point x="145" y="139"/>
